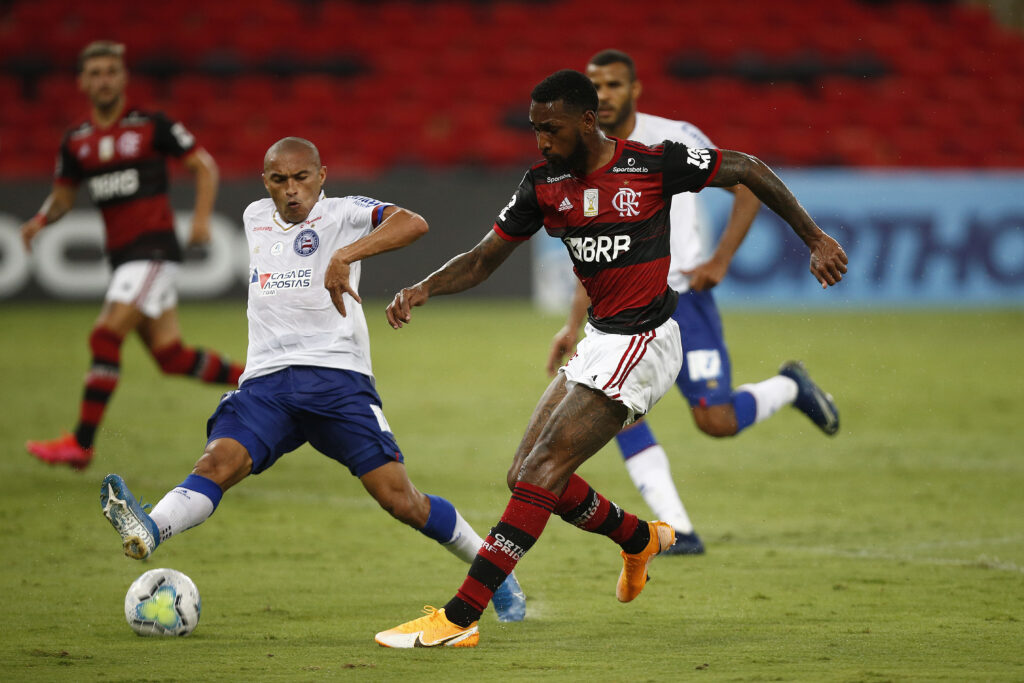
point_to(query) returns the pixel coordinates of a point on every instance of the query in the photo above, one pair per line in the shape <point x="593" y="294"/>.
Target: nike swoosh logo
<point x="419" y="639"/>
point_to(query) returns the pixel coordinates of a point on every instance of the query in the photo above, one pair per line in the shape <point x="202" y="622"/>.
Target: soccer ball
<point x="162" y="602"/>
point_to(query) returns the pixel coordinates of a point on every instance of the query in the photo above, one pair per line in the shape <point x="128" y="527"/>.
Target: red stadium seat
<point x="445" y="77"/>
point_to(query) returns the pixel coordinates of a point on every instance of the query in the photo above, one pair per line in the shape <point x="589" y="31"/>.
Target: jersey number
<point x="705" y="364"/>
<point x="701" y="158"/>
<point x="181" y="134"/>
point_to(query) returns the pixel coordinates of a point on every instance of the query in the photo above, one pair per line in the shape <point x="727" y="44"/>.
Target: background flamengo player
<point x="120" y="154"/>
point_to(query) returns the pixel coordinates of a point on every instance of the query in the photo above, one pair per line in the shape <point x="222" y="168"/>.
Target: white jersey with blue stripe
<point x="292" y="320"/>
<point x="690" y="242"/>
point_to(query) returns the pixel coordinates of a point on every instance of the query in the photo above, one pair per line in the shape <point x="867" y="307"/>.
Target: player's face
<point x="616" y="95"/>
<point x="293" y="180"/>
<point x="560" y="135"/>
<point x="103" y="80"/>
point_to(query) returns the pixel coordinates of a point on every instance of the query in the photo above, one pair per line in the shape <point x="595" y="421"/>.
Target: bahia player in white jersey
<point x="706" y="376"/>
<point x="308" y="376"/>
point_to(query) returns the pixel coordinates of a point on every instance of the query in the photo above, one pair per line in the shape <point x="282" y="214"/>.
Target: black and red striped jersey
<point x="615" y="224"/>
<point x="124" y="167"/>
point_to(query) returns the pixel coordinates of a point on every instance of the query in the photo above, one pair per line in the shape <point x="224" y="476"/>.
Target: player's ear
<point x="637" y="89"/>
<point x="323" y="175"/>
<point x="589" y="121"/>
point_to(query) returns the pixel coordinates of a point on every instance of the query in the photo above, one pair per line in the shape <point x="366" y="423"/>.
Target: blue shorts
<point x="337" y="411"/>
<point x="706" y="377"/>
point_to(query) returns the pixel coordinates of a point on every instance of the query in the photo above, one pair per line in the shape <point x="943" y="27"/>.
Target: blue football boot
<point x="686" y="544"/>
<point x="812" y="400"/>
<point x="139" y="532"/>
<point x="509" y="600"/>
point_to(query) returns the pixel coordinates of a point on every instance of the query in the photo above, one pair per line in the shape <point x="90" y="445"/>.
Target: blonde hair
<point x="100" y="48"/>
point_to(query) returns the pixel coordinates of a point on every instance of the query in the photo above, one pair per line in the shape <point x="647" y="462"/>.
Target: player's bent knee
<point x="718" y="424"/>
<point x="224" y="464"/>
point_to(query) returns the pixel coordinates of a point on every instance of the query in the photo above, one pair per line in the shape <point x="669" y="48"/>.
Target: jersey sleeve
<point x="249" y="214"/>
<point x="687" y="169"/>
<point x="67" y="169"/>
<point x="171" y="137"/>
<point x="364" y="213"/>
<point x="522" y="216"/>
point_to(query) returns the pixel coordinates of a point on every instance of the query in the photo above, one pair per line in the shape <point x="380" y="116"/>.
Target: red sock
<point x="587" y="509"/>
<point x="522" y="524"/>
<point x="100" y="382"/>
<point x="207" y="366"/>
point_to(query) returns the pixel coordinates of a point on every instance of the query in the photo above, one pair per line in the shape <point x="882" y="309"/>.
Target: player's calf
<point x="206" y="366"/>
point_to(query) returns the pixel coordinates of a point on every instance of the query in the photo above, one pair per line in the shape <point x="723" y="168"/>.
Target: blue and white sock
<point x="186" y="506"/>
<point x="648" y="467"/>
<point x="757" y="402"/>
<point x="446" y="526"/>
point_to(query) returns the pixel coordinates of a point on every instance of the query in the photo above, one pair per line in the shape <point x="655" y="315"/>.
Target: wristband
<point x="42" y="217"/>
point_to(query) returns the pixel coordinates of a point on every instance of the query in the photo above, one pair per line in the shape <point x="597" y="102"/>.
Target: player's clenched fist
<point x="828" y="261"/>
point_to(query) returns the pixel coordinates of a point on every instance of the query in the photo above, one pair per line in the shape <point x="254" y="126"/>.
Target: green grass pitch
<point x="893" y="552"/>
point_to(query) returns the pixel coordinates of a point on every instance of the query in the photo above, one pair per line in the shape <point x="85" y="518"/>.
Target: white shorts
<point x="635" y="370"/>
<point x="150" y="286"/>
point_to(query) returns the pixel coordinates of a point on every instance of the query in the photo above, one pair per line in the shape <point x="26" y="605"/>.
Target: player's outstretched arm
<point x="399" y="228"/>
<point x="57" y="203"/>
<point x="202" y="165"/>
<point x="463" y="272"/>
<point x="828" y="260"/>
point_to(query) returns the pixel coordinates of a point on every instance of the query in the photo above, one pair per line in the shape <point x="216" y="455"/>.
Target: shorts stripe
<point x="622" y="359"/>
<point x="647" y="342"/>
<point x="636" y="350"/>
<point x="151" y="274"/>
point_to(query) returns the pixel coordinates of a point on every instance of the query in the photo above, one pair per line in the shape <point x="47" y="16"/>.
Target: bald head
<point x="292" y="146"/>
<point x="294" y="177"/>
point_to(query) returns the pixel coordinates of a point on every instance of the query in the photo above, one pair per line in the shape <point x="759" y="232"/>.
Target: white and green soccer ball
<point x="162" y="602"/>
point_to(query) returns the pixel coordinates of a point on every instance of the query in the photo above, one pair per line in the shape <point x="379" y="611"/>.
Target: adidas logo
<point x="566" y="205"/>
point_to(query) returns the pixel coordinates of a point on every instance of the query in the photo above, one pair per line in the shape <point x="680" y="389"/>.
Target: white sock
<point x="771" y="395"/>
<point x="650" y="473"/>
<point x="464" y="542"/>
<point x="179" y="510"/>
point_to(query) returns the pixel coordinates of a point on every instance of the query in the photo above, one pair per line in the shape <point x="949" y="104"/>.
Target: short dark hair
<point x="100" y="48"/>
<point x="606" y="57"/>
<point x="571" y="87"/>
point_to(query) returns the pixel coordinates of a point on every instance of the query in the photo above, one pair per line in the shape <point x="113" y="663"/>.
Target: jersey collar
<point x="285" y="225"/>
<point x="615" y="157"/>
<point x="124" y="112"/>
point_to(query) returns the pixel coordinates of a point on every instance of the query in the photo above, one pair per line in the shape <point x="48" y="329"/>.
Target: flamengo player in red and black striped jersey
<point x="120" y="154"/>
<point x="608" y="202"/>
<point x="614" y="223"/>
<point x="705" y="380"/>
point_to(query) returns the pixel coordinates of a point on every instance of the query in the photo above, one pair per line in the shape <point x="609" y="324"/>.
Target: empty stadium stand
<point x="380" y="84"/>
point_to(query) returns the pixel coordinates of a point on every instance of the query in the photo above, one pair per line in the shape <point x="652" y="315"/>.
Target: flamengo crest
<point x="627" y="202"/>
